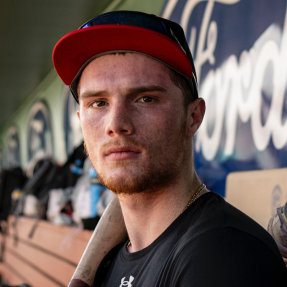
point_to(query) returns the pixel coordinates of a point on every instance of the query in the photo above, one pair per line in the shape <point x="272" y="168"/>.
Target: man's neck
<point x="148" y="215"/>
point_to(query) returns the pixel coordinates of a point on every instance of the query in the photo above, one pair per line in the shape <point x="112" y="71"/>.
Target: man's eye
<point x="98" y="104"/>
<point x="146" y="99"/>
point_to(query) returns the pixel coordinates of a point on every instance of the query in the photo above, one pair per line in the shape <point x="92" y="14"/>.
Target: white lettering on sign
<point x="236" y="87"/>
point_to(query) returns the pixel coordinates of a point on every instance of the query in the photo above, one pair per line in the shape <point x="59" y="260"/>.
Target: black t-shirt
<point x="210" y="244"/>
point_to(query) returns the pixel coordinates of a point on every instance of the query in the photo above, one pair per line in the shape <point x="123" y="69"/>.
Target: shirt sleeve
<point x="225" y="258"/>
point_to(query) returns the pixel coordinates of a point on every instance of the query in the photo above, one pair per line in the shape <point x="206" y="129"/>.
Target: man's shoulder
<point x="213" y="214"/>
<point x="212" y="211"/>
<point x="222" y="244"/>
<point x="225" y="255"/>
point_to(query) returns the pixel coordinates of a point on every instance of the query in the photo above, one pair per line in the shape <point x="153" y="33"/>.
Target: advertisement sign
<point x="72" y="127"/>
<point x="39" y="132"/>
<point x="13" y="147"/>
<point x="240" y="53"/>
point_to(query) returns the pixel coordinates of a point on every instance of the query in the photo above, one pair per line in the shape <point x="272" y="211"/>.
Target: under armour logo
<point x="127" y="283"/>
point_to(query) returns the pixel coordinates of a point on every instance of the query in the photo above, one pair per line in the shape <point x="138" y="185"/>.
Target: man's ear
<point x="195" y="114"/>
<point x="78" y="114"/>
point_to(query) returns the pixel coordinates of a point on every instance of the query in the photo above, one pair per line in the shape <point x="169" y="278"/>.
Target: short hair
<point x="181" y="82"/>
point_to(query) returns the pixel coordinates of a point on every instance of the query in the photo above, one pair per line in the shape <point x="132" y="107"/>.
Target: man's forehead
<point x="125" y="68"/>
<point x="134" y="59"/>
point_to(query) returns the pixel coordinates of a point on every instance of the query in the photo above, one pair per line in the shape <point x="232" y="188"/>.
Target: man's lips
<point x="122" y="153"/>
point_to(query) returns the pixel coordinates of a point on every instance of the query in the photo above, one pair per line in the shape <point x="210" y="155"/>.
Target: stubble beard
<point x="152" y="178"/>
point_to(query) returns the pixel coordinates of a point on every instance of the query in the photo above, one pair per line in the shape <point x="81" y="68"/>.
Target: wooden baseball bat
<point x="109" y="232"/>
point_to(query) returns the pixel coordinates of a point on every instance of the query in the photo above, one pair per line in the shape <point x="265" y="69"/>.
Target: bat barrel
<point x="78" y="283"/>
<point x="109" y="232"/>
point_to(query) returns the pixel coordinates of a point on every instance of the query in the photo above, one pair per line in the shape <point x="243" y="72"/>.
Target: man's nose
<point x="120" y="120"/>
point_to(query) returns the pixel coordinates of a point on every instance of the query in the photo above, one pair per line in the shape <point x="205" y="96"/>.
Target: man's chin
<point x="124" y="185"/>
<point x="147" y="182"/>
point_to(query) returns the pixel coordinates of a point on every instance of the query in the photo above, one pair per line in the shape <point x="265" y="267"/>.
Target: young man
<point x="134" y="79"/>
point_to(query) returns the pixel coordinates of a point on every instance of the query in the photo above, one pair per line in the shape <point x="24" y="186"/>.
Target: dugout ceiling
<point x="29" y="30"/>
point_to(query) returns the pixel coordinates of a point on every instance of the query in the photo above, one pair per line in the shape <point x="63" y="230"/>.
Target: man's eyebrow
<point x="89" y="94"/>
<point x="136" y="90"/>
<point x="144" y="89"/>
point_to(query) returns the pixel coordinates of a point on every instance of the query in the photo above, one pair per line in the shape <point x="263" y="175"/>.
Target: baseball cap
<point x="124" y="31"/>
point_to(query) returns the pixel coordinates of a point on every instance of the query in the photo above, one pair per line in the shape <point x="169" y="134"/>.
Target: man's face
<point x="133" y="122"/>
